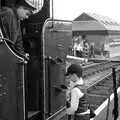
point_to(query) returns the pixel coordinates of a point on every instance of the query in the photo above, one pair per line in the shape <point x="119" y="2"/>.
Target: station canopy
<point x="93" y="22"/>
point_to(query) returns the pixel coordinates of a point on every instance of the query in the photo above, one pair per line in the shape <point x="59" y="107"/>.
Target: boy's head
<point x="74" y="69"/>
<point x="73" y="75"/>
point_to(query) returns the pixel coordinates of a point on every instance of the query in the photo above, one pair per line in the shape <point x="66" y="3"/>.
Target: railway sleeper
<point x="98" y="68"/>
<point x="96" y="95"/>
<point x="101" y="87"/>
<point x="96" y="103"/>
<point x="96" y="100"/>
<point x="100" y="92"/>
<point x="93" y="106"/>
<point x="106" y="84"/>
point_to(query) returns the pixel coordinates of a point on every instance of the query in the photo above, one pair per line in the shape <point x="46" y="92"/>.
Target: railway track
<point x="99" y="81"/>
<point x="97" y="67"/>
<point x="91" y="67"/>
<point x="99" y="91"/>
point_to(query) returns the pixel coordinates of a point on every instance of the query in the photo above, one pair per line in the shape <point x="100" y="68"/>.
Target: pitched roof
<point x="101" y="22"/>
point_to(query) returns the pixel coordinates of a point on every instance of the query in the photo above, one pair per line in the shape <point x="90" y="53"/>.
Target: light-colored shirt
<point x="78" y="46"/>
<point x="76" y="94"/>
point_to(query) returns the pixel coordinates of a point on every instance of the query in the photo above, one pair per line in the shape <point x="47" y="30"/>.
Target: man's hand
<point x="26" y="56"/>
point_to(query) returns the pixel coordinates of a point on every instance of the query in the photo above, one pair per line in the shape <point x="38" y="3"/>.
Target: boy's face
<point x="70" y="79"/>
<point x="23" y="12"/>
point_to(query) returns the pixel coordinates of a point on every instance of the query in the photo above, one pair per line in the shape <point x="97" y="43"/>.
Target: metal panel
<point x="12" y="85"/>
<point x="56" y="41"/>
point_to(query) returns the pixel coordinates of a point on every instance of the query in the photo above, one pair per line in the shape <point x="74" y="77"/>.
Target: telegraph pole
<point x="115" y="110"/>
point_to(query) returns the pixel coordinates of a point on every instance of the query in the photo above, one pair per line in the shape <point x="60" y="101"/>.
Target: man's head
<point x="24" y="9"/>
<point x="83" y="36"/>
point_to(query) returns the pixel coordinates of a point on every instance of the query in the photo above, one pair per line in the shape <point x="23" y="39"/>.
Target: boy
<point x="76" y="96"/>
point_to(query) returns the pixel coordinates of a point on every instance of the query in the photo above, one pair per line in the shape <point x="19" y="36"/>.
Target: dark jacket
<point x="82" y="107"/>
<point x="12" y="28"/>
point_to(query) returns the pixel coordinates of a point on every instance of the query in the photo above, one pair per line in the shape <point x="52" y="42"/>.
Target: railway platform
<point x="116" y="59"/>
<point x="98" y="59"/>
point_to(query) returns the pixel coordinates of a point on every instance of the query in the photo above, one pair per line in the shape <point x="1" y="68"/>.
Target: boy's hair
<point x="74" y="68"/>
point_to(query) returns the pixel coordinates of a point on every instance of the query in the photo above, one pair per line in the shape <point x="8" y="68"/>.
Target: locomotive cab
<point x="31" y="89"/>
<point x="46" y="68"/>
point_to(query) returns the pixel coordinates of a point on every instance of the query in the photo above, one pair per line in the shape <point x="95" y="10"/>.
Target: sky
<point x="70" y="9"/>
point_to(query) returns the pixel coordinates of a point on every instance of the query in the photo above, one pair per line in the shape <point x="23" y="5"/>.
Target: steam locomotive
<point x="30" y="89"/>
<point x="30" y="86"/>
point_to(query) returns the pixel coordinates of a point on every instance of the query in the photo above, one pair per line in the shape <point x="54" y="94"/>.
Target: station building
<point x="100" y="30"/>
